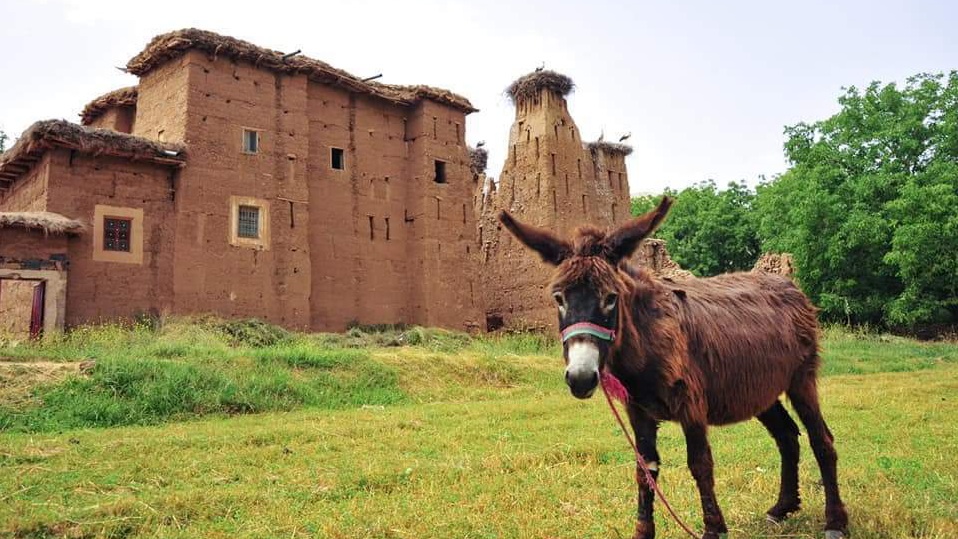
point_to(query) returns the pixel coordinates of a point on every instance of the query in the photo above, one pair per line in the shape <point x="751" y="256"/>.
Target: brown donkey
<point x="701" y="352"/>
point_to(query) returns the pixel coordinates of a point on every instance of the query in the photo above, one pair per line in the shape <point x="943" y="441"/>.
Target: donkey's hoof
<point x="774" y="519"/>
<point x="834" y="534"/>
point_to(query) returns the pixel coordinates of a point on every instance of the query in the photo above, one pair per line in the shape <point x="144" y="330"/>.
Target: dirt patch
<point x="19" y="378"/>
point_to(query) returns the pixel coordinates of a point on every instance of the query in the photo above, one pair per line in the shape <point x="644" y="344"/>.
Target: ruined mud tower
<point x="552" y="179"/>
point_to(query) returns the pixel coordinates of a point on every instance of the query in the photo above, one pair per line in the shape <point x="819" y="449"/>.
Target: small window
<point x="116" y="234"/>
<point x="440" y="172"/>
<point x="247" y="226"/>
<point x="337" y="159"/>
<point x="250" y="141"/>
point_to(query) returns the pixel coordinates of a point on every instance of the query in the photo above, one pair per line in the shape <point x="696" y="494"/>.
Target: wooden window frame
<point x="103" y="212"/>
<point x="260" y="243"/>
<point x="259" y="141"/>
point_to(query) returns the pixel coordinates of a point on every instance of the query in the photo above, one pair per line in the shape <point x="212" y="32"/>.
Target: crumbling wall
<point x="776" y="263"/>
<point x="653" y="254"/>
<point x="550" y="179"/>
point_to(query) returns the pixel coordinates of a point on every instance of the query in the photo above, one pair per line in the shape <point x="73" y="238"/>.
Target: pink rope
<point x="613" y="388"/>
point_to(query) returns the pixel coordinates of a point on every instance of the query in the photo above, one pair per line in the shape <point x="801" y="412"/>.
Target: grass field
<point x="202" y="431"/>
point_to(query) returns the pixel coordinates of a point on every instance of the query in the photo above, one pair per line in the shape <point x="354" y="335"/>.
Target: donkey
<point x="700" y="352"/>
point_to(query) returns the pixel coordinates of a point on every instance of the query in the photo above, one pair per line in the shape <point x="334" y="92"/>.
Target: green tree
<point x="3" y="141"/>
<point x="868" y="207"/>
<point x="708" y="231"/>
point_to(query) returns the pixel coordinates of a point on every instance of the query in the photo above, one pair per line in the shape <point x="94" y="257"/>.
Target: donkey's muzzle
<point x="582" y="384"/>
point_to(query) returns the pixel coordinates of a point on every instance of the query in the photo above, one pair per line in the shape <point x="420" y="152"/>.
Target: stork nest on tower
<point x="610" y="148"/>
<point x="478" y="160"/>
<point x="529" y="86"/>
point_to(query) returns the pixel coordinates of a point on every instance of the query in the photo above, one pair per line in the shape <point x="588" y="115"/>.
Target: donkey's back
<point x="748" y="334"/>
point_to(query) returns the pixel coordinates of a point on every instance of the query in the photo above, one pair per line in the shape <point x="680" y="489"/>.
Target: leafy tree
<point x="708" y="231"/>
<point x="869" y="208"/>
<point x="3" y="141"/>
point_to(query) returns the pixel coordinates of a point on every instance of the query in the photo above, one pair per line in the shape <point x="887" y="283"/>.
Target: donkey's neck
<point x="650" y="352"/>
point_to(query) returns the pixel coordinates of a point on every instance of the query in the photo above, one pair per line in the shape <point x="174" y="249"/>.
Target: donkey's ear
<point x="550" y="248"/>
<point x="621" y="243"/>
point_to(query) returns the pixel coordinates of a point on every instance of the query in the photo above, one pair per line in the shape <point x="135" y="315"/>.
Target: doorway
<point x="22" y="306"/>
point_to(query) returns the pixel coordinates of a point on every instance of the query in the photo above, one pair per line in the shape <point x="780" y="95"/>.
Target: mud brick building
<point x="245" y="182"/>
<point x="236" y="180"/>
<point x="552" y="179"/>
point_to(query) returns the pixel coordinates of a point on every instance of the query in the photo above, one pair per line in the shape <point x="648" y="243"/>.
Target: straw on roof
<point x="612" y="148"/>
<point x="123" y="97"/>
<point x="46" y="134"/>
<point x="50" y="223"/>
<point x="172" y="45"/>
<point x="529" y="86"/>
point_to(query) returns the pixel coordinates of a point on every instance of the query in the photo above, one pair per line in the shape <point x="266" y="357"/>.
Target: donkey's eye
<point x="610" y="302"/>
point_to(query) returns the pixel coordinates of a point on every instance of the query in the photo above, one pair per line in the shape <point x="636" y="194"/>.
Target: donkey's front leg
<point x="700" y="464"/>
<point x="646" y="431"/>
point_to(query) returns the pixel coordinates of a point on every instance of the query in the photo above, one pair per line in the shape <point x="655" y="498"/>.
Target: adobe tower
<point x="550" y="179"/>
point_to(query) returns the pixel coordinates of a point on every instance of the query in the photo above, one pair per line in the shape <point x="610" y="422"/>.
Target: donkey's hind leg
<point x="781" y="426"/>
<point x="804" y="396"/>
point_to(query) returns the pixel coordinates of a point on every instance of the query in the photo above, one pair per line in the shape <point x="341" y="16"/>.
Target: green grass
<point x="366" y="435"/>
<point x="185" y="368"/>
<point x="850" y="352"/>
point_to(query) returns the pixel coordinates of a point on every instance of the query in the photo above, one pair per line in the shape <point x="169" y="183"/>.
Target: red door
<point x="36" y="314"/>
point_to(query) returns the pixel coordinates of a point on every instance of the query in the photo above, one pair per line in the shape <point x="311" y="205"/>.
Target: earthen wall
<point x="29" y="193"/>
<point x="224" y="98"/>
<point x="551" y="180"/>
<point x="116" y="118"/>
<point x="18" y="244"/>
<point x="99" y="290"/>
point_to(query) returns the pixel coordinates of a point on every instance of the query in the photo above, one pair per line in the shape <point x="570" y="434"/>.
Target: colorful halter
<point x="586" y="328"/>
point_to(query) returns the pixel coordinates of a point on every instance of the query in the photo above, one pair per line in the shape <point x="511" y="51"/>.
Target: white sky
<point x="704" y="87"/>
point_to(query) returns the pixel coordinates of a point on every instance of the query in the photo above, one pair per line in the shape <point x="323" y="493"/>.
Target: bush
<point x="254" y="332"/>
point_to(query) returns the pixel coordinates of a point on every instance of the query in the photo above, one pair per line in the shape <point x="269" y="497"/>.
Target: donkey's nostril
<point x="582" y="384"/>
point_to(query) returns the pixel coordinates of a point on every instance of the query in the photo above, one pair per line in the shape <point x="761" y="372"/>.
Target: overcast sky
<point x="704" y="87"/>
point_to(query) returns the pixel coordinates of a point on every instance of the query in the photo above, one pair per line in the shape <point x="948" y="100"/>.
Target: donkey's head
<point x="586" y="288"/>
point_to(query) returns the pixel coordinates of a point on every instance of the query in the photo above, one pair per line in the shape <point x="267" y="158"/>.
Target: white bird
<point x="625" y="137"/>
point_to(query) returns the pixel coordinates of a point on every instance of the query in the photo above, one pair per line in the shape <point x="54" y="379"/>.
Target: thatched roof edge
<point x="174" y="44"/>
<point x="46" y="134"/>
<point x="528" y="86"/>
<point x="122" y="97"/>
<point x="613" y="148"/>
<point x="48" y="222"/>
